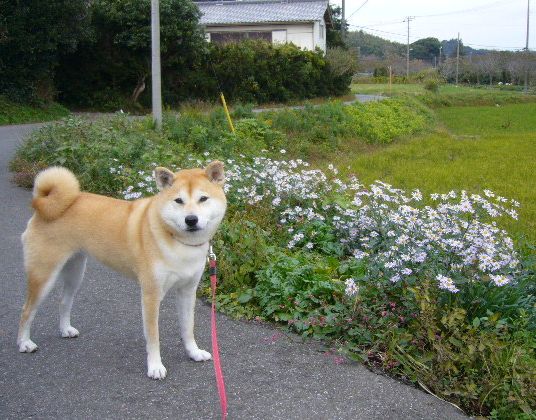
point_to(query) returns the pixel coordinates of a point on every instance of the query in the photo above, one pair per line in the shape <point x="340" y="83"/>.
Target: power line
<point x="358" y="9"/>
<point x="378" y="30"/>
<point x="494" y="46"/>
<point x="393" y="22"/>
<point x="466" y="10"/>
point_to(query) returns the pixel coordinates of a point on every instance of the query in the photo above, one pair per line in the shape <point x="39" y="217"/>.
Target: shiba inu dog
<point x="162" y="241"/>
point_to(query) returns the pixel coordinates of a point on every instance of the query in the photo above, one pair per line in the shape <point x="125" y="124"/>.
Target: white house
<point x="302" y="22"/>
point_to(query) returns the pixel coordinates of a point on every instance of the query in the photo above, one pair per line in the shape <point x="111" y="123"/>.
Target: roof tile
<point x="214" y="13"/>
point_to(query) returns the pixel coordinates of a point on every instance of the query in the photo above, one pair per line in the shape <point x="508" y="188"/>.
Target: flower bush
<point x="454" y="240"/>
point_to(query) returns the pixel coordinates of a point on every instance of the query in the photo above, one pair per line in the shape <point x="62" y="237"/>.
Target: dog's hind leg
<point x="42" y="270"/>
<point x="72" y="275"/>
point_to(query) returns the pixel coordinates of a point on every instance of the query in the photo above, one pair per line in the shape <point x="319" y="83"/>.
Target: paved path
<point x="101" y="374"/>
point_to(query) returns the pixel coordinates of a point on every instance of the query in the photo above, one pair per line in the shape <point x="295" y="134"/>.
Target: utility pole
<point x="343" y="20"/>
<point x="458" y="59"/>
<point x="526" y="90"/>
<point x="409" y="19"/>
<point x="155" y="64"/>
<point x="390" y="80"/>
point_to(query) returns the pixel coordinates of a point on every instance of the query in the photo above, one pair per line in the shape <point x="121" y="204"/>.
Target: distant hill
<point x="368" y="44"/>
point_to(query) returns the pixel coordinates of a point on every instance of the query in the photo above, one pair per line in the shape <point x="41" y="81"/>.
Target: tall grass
<point x="13" y="113"/>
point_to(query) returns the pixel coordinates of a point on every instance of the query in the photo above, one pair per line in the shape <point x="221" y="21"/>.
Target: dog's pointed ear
<point x="164" y="178"/>
<point x="215" y="173"/>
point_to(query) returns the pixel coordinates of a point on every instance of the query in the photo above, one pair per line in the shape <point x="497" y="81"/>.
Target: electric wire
<point x="474" y="9"/>
<point x="357" y="10"/>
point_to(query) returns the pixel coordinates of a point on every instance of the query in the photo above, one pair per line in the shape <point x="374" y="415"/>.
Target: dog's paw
<point x="69" y="332"/>
<point x="27" y="346"/>
<point x="199" y="355"/>
<point x="156" y="371"/>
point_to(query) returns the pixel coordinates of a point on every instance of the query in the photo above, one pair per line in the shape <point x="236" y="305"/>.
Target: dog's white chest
<point x="181" y="266"/>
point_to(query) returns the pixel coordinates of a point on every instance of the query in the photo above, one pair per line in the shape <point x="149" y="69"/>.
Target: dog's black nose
<point x="191" y="220"/>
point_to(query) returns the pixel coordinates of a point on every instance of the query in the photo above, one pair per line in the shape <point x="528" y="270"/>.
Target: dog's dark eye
<point x="203" y="199"/>
<point x="179" y="201"/>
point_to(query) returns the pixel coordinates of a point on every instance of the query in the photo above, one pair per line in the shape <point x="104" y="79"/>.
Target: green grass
<point x="13" y="113"/>
<point x="490" y="120"/>
<point x="383" y="89"/>
<point x="476" y="148"/>
<point x="448" y="95"/>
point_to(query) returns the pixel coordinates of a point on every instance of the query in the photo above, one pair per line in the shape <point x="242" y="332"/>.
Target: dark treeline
<point x="96" y="54"/>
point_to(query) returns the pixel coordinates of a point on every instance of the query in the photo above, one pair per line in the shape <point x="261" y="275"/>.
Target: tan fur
<point x="54" y="190"/>
<point x="133" y="237"/>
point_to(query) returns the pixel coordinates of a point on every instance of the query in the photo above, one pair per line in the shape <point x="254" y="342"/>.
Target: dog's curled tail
<point x="55" y="189"/>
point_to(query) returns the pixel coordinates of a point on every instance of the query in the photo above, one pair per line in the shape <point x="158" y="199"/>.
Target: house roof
<point x="244" y="12"/>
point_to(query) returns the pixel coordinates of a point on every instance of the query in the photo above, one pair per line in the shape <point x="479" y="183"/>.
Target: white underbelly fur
<point x="183" y="266"/>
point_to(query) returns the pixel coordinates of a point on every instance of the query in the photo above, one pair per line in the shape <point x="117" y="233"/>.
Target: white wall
<point x="304" y="35"/>
<point x="319" y="33"/>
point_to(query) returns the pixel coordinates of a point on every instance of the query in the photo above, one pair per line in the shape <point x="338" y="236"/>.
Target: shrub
<point x="34" y="35"/>
<point x="342" y="66"/>
<point x="384" y="121"/>
<point x="431" y="85"/>
<point x="259" y="72"/>
<point x="302" y="291"/>
<point x="246" y="247"/>
<point x="247" y="72"/>
<point x="321" y="129"/>
<point x="96" y="151"/>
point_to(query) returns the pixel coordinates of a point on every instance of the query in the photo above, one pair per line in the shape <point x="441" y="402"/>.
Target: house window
<point x="229" y="37"/>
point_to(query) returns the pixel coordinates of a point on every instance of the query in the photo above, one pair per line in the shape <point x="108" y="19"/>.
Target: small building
<point x="302" y="22"/>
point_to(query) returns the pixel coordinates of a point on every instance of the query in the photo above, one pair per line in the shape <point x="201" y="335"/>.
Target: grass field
<point x="449" y="95"/>
<point x="473" y="148"/>
<point x="12" y="113"/>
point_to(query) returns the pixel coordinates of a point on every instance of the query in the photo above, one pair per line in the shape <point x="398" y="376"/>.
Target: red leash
<point x="215" y="349"/>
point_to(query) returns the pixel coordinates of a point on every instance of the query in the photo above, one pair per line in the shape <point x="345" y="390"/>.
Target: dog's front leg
<point x="185" y="307"/>
<point x="150" y="302"/>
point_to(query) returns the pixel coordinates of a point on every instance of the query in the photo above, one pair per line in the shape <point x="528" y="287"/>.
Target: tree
<point x="491" y="63"/>
<point x="373" y="45"/>
<point x="116" y="60"/>
<point x="450" y="46"/>
<point x="333" y="34"/>
<point x="521" y="62"/>
<point x="33" y="35"/>
<point x="425" y="49"/>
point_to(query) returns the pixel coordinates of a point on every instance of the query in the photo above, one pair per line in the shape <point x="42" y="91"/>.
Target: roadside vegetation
<point x="15" y="113"/>
<point x="417" y="279"/>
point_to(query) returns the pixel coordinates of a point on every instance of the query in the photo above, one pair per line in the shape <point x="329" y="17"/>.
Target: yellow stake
<point x="227" y="112"/>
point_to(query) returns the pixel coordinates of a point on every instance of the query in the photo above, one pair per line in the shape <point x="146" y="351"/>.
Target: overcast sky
<point x="490" y="24"/>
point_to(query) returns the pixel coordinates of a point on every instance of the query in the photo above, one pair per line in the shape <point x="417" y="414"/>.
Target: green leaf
<point x="244" y="297"/>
